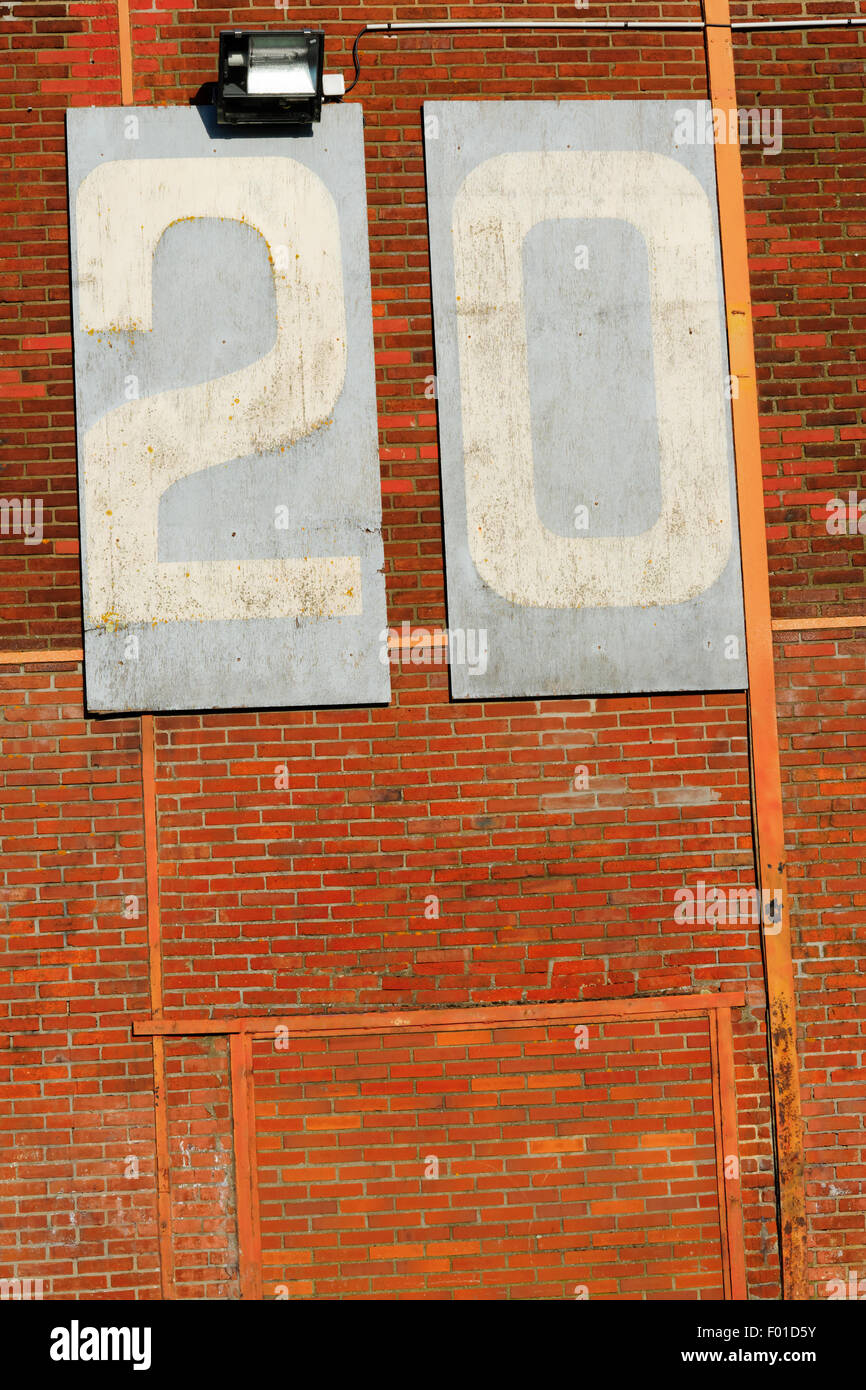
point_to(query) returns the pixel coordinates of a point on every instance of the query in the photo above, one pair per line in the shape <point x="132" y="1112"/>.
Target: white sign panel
<point x="583" y="397"/>
<point x="228" y="464"/>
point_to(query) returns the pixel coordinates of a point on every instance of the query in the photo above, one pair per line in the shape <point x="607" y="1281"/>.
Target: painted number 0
<point x="687" y="547"/>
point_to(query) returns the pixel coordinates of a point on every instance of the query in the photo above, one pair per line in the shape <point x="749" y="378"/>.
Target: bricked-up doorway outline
<point x="241" y="1032"/>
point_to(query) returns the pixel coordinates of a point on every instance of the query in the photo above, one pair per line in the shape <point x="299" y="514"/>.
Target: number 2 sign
<point x="228" y="460"/>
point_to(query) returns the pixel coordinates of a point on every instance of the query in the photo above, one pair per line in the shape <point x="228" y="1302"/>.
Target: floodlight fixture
<point x="273" y="79"/>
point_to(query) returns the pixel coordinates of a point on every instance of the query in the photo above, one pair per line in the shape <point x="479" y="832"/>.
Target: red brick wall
<point x="204" y="1229"/>
<point x="76" y="1135"/>
<point x="822" y="702"/>
<point x="501" y="1162"/>
<point x="314" y="897"/>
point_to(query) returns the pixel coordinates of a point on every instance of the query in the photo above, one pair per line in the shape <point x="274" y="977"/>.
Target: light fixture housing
<point x="270" y="78"/>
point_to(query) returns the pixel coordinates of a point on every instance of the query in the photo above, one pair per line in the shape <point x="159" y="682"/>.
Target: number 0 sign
<point x="228" y="459"/>
<point x="583" y="397"/>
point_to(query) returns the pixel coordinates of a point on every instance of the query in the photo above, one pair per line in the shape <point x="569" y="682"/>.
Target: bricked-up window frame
<point x="241" y="1032"/>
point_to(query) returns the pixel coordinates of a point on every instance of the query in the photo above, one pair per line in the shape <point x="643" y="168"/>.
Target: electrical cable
<point x="589" y="26"/>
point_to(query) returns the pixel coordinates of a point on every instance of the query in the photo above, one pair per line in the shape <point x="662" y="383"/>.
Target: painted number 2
<point x="138" y="450"/>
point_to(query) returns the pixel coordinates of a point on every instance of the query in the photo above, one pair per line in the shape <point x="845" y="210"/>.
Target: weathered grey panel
<point x="601" y="397"/>
<point x="213" y="314"/>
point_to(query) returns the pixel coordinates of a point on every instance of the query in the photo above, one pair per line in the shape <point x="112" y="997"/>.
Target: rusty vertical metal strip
<point x="720" y="1022"/>
<point x="151" y="860"/>
<point x="246" y="1182"/>
<point x="124" y="47"/>
<point x="163" y="1174"/>
<point x="255" y="1215"/>
<point x="718" y="1130"/>
<point x="154" y="962"/>
<point x="763" y="731"/>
